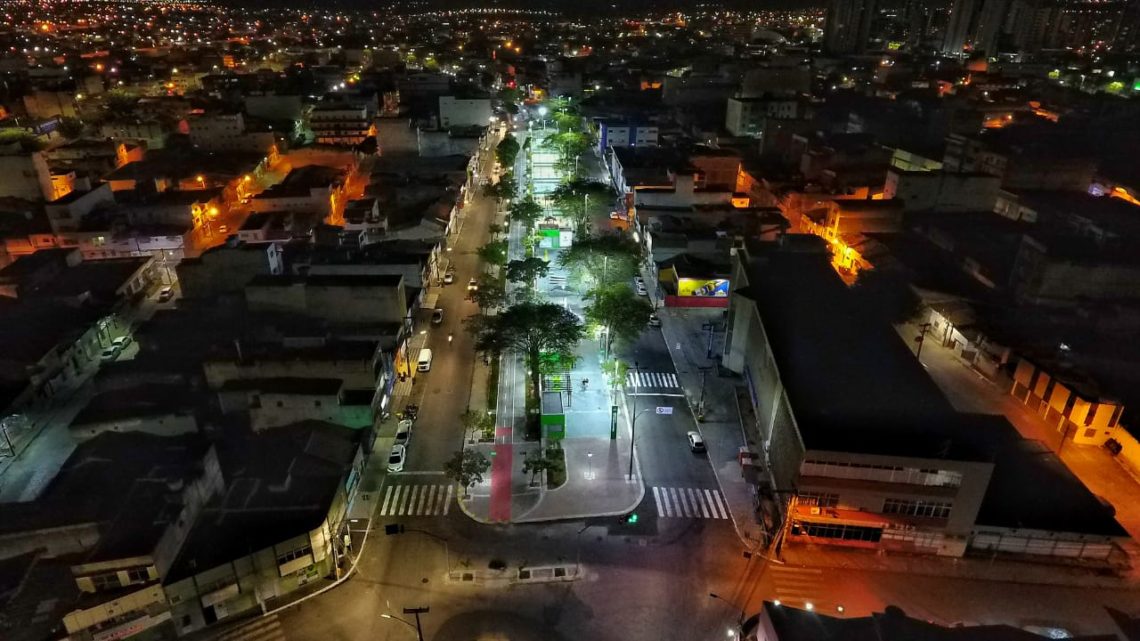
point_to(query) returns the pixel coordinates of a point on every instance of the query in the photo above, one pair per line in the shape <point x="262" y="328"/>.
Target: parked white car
<point x="397" y="457"/>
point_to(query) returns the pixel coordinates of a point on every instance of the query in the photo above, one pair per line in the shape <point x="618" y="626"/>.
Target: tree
<point x="530" y="328"/>
<point x="527" y="270"/>
<point x="580" y="199"/>
<point x="537" y="464"/>
<point x="505" y="188"/>
<point x="623" y="313"/>
<point x="511" y="96"/>
<point x="507" y="150"/>
<point x="567" y="121"/>
<point x="71" y="127"/>
<point x="494" y="252"/>
<point x="570" y="145"/>
<point x="477" y="422"/>
<point x="603" y="259"/>
<point x="491" y="293"/>
<point x="467" y="467"/>
<point x="526" y="211"/>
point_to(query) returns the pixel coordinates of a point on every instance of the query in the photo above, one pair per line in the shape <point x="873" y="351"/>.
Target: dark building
<point x="848" y="25"/>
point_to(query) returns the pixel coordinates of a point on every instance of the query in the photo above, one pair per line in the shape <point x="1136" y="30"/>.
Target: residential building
<point x="747" y="116"/>
<point x="277" y="524"/>
<point x="848" y="25"/>
<point x="340" y="125"/>
<point x="24" y="174"/>
<point x="941" y="190"/>
<point x="228" y="132"/>
<point x="464" y="112"/>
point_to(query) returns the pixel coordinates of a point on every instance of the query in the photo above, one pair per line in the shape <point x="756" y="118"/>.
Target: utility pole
<point x="920" y="339"/>
<point x="701" y="404"/>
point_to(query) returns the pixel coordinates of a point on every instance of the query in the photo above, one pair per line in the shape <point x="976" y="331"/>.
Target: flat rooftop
<point x="853" y="385"/>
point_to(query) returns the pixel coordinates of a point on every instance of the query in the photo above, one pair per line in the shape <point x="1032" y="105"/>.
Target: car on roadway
<point x="404" y="433"/>
<point x="640" y="285"/>
<point x="121" y="342"/>
<point x="448" y="277"/>
<point x="109" y="354"/>
<point x="397" y="457"/>
<point x="437" y="316"/>
<point x="654" y="320"/>
<point x="696" y="443"/>
<point x="165" y="294"/>
<point x="472" y="285"/>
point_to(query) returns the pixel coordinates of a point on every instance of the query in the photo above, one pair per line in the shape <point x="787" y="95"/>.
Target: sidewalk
<point x="597" y="468"/>
<point x="1030" y="572"/>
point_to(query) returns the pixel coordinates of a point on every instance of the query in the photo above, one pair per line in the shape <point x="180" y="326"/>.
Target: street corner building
<point x="860" y="448"/>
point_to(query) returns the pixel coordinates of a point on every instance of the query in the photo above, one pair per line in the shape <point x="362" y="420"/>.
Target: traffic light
<point x="631" y="519"/>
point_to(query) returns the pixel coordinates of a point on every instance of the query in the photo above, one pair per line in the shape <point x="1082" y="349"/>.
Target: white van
<point x="424" y="364"/>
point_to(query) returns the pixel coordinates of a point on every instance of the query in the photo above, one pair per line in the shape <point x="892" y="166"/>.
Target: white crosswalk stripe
<point x="417" y="500"/>
<point x="263" y="629"/>
<point x="797" y="586"/>
<point x="659" y="380"/>
<point x="689" y="503"/>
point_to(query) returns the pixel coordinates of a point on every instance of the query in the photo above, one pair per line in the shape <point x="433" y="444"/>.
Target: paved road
<point x="648" y="583"/>
<point x="444" y="392"/>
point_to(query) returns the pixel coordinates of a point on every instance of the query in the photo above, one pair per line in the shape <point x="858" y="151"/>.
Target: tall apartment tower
<point x="848" y="25"/>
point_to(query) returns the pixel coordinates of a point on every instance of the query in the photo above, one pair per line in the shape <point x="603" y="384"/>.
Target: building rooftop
<point x="853" y="384"/>
<point x="141" y="401"/>
<point x="279" y="483"/>
<point x="286" y="385"/>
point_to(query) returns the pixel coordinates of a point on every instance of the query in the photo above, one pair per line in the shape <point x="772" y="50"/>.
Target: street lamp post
<point x="740" y="617"/>
<point x="415" y="626"/>
<point x="633" y="422"/>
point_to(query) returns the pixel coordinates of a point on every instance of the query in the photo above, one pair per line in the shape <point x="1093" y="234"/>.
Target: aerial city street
<point x="553" y="321"/>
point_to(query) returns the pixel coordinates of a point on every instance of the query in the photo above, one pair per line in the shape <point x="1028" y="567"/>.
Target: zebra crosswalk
<point x="797" y="586"/>
<point x="261" y="629"/>
<point x="690" y="503"/>
<point x="417" y="500"/>
<point x="658" y="380"/>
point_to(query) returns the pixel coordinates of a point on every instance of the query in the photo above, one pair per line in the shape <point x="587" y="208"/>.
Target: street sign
<point x="665" y="411"/>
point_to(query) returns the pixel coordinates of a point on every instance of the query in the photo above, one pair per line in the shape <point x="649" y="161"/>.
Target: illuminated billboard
<point x="716" y="287"/>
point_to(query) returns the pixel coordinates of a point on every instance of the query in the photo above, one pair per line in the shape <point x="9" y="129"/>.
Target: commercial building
<point x="862" y="448"/>
<point x="617" y="133"/>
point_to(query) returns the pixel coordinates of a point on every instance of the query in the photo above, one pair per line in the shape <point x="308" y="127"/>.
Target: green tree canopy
<point x="531" y="329"/>
<point x="580" y="200"/>
<point x="507" y="150"/>
<point x="617" y="308"/>
<point x="505" y="188"/>
<point x="71" y="127"/>
<point x="494" y="252"/>
<point x="602" y="259"/>
<point x="527" y="270"/>
<point x="526" y="211"/>
<point x="491" y="293"/>
<point x="467" y="467"/>
<point x="569" y="145"/>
